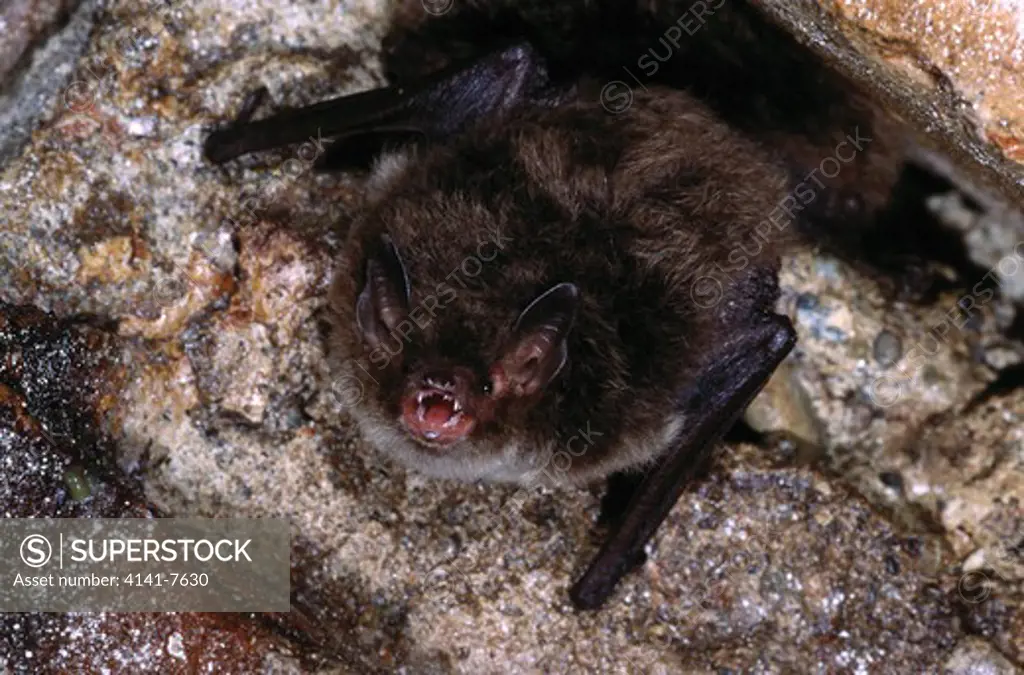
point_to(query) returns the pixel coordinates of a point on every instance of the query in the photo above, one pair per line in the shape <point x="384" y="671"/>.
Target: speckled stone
<point x="214" y="279"/>
<point x="34" y="69"/>
<point x="25" y="23"/>
<point x="953" y="68"/>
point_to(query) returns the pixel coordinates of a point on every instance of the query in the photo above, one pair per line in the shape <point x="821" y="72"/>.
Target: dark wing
<point x="362" y="123"/>
<point x="732" y="376"/>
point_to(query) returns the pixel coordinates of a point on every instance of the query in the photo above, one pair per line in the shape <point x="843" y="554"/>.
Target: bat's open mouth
<point x="436" y="416"/>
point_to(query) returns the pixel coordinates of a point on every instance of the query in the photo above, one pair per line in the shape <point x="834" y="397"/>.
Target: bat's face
<point x="442" y="380"/>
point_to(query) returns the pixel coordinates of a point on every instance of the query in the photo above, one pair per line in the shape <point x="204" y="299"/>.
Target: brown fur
<point x="748" y="70"/>
<point x="635" y="209"/>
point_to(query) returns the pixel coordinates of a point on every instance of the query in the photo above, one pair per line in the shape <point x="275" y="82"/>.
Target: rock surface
<point x="26" y="23"/>
<point x="42" y="39"/>
<point x="955" y="69"/>
<point x="878" y="529"/>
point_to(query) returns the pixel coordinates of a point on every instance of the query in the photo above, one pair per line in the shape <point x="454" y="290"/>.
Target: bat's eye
<point x="487" y="388"/>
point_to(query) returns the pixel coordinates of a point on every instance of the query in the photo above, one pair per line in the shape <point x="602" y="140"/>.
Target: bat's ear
<point x="539" y="348"/>
<point x="384" y="300"/>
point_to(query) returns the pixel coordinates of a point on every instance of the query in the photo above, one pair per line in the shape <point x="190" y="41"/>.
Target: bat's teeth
<point x="437" y="384"/>
<point x="453" y="420"/>
<point x="456" y="406"/>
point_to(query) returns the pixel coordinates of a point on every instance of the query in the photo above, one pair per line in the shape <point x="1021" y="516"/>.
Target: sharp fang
<point x="453" y="420"/>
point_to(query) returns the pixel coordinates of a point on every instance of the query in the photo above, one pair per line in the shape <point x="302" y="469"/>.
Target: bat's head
<point x="450" y="372"/>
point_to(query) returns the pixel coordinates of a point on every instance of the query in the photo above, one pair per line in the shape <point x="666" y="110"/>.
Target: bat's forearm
<point x="711" y="405"/>
<point x="436" y="107"/>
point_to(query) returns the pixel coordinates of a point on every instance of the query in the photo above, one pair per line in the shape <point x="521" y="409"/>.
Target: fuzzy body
<point x="653" y="214"/>
<point x="749" y="71"/>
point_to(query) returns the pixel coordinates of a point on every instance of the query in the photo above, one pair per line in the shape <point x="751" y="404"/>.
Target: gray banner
<point x="144" y="565"/>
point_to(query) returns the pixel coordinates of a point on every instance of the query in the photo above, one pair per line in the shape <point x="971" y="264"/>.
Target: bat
<point x="539" y="289"/>
<point x="533" y="275"/>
